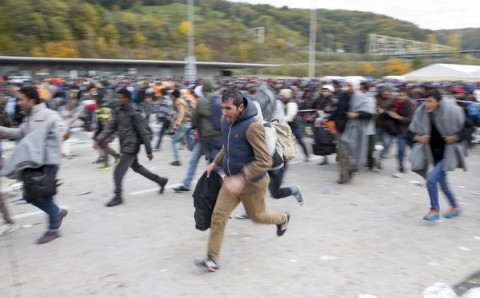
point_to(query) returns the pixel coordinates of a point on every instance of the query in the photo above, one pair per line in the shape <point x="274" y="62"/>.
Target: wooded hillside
<point x="157" y="29"/>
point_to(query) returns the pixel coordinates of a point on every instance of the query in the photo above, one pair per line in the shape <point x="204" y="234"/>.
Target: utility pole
<point x="190" y="66"/>
<point x="313" y="40"/>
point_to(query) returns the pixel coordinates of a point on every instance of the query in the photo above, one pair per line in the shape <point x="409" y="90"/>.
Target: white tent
<point x="445" y="72"/>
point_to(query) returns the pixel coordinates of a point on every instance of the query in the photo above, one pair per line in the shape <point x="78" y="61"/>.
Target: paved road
<point x="367" y="237"/>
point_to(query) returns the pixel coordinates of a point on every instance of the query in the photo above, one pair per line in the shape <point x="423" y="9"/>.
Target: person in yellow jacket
<point x="179" y="127"/>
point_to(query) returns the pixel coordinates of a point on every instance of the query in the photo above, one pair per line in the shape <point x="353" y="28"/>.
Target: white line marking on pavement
<point x="34" y="213"/>
<point x="140" y="192"/>
<point x="28" y="214"/>
<point x="170" y="186"/>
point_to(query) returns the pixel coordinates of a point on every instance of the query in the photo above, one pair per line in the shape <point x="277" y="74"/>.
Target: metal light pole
<point x="190" y="66"/>
<point x="313" y="40"/>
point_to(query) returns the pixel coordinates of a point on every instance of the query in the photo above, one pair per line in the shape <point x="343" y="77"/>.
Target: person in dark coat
<point x="132" y="132"/>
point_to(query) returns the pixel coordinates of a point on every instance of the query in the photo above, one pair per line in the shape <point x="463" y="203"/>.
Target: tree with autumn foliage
<point x="397" y="67"/>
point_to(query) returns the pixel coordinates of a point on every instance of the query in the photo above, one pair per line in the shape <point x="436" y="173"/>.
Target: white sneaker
<point x="243" y="215"/>
<point x="8" y="228"/>
<point x="398" y="175"/>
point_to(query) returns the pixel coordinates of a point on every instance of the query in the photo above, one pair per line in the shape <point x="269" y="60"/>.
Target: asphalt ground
<point x="365" y="237"/>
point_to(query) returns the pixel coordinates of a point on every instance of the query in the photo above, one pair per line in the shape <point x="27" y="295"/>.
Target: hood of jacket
<point x="250" y="111"/>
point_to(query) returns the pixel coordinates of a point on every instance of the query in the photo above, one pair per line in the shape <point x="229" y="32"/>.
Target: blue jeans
<point x="179" y="133"/>
<point x="165" y="126"/>
<point x="47" y="205"/>
<point x="438" y="175"/>
<point x="192" y="165"/>
<point x="298" y="131"/>
<point x="211" y="148"/>
<point x="402" y="145"/>
<point x="385" y="139"/>
<point x="276" y="180"/>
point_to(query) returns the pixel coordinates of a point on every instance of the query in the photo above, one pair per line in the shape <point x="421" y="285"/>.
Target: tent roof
<point x="445" y="72"/>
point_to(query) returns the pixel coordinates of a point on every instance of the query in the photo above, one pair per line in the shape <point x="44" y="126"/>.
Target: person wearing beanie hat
<point x="209" y="142"/>
<point x="207" y="87"/>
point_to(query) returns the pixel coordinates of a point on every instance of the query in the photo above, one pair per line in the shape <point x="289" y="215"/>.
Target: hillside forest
<point x="224" y="31"/>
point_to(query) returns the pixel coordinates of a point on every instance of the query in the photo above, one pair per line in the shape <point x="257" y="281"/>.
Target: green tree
<point x="417" y="62"/>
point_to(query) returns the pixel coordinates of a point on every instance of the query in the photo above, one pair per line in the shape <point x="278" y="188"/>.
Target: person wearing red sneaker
<point x="439" y="131"/>
<point x="36" y="150"/>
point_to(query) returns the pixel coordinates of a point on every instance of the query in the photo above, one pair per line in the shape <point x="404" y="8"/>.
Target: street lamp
<point x="190" y="66"/>
<point x="313" y="40"/>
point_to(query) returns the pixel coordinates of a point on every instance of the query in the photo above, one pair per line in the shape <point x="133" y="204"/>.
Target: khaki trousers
<point x="253" y="199"/>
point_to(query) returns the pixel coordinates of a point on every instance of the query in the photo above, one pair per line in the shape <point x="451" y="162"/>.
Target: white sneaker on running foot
<point x="207" y="263"/>
<point x="398" y="175"/>
<point x="282" y="228"/>
<point x="243" y="215"/>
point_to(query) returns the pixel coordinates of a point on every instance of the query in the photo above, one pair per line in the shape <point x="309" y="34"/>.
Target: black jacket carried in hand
<point x="132" y="130"/>
<point x="204" y="199"/>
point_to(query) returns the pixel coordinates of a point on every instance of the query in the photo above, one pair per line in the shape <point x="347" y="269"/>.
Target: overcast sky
<point x="427" y="14"/>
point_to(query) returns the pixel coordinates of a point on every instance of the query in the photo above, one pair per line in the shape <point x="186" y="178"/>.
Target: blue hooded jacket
<point x="238" y="151"/>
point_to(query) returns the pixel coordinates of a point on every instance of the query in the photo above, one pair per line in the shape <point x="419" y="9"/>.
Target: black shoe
<point x="282" y="228"/>
<point x="344" y="179"/>
<point x="63" y="213"/>
<point x="100" y="159"/>
<point x="175" y="163"/>
<point x="350" y="174"/>
<point x="117" y="200"/>
<point x="181" y="188"/>
<point x="162" y="183"/>
<point x="370" y="166"/>
<point x="48" y="236"/>
<point x="207" y="263"/>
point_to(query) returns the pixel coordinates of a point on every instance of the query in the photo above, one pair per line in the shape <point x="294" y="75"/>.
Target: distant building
<point x="79" y="67"/>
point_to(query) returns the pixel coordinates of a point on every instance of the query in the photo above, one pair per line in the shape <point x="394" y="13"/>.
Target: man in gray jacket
<point x="37" y="114"/>
<point x="132" y="132"/>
